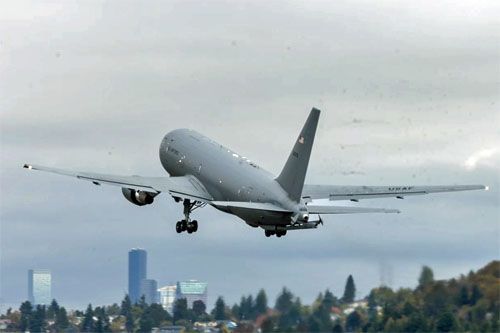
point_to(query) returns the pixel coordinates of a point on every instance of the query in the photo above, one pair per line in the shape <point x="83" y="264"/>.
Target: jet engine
<point x="139" y="198"/>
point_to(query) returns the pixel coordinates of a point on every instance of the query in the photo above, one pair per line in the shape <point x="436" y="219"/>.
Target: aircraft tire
<point x="194" y="225"/>
<point x="178" y="227"/>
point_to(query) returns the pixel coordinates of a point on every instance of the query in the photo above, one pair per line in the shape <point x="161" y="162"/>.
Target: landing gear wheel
<point x="194" y="225"/>
<point x="268" y="233"/>
<point x="178" y="227"/>
<point x="280" y="233"/>
<point x="184" y="225"/>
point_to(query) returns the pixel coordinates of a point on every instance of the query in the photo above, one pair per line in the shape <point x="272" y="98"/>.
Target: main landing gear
<point x="186" y="224"/>
<point x="276" y="232"/>
<point x="183" y="225"/>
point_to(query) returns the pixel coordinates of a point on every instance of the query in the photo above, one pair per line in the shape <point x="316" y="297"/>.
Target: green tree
<point x="146" y="320"/>
<point x="181" y="310"/>
<point x="142" y="302"/>
<point x="426" y="277"/>
<point x="289" y="309"/>
<point x="99" y="325"/>
<point x="26" y="310"/>
<point x="463" y="296"/>
<point x="349" y="290"/>
<point x="246" y="308"/>
<point x="322" y="311"/>
<point x="353" y="321"/>
<point x="158" y="314"/>
<point x="38" y="322"/>
<point x="284" y="301"/>
<point x="61" y="321"/>
<point x="87" y="324"/>
<point x="416" y="323"/>
<point x="126" y="311"/>
<point x="52" y="310"/>
<point x="235" y="311"/>
<point x="126" y="306"/>
<point x="261" y="303"/>
<point x="113" y="310"/>
<point x="436" y="299"/>
<point x="219" y="312"/>
<point x="199" y="308"/>
<point x="337" y="327"/>
<point x="475" y="294"/>
<point x="446" y="322"/>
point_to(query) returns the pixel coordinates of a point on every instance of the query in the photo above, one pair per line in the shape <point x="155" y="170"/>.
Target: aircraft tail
<point x="293" y="174"/>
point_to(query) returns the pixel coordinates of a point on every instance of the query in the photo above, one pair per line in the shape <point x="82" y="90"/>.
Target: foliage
<point x="219" y="312"/>
<point x="349" y="291"/>
<point x="426" y="277"/>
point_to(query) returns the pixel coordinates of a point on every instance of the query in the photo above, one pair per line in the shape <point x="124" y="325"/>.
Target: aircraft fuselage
<point x="226" y="175"/>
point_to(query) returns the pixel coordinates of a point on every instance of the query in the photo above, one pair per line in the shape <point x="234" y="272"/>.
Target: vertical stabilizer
<point x="293" y="174"/>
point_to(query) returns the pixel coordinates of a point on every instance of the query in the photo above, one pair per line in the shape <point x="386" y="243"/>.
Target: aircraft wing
<point x="335" y="192"/>
<point x="187" y="187"/>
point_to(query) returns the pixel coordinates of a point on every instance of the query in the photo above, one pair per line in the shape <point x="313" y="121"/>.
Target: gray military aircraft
<point x="203" y="172"/>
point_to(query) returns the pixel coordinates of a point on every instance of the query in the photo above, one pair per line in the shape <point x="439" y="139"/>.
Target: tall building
<point x="167" y="297"/>
<point x="137" y="264"/>
<point x="149" y="288"/>
<point x="192" y="290"/>
<point x="39" y="286"/>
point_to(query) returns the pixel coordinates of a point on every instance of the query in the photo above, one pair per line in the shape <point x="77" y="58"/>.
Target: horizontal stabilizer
<point x="250" y="205"/>
<point x="347" y="210"/>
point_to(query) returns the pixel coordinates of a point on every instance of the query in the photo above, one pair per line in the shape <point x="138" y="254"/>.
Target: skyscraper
<point x="137" y="264"/>
<point x="39" y="286"/>
<point x="192" y="290"/>
<point x="149" y="289"/>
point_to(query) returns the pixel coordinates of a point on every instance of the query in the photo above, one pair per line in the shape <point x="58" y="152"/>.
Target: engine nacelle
<point x="139" y="198"/>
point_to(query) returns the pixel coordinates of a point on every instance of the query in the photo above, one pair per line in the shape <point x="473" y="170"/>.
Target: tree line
<point x="468" y="303"/>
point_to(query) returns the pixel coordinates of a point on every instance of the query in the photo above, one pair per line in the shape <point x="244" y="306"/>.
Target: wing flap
<point x="347" y="210"/>
<point x="265" y="206"/>
<point x="334" y="192"/>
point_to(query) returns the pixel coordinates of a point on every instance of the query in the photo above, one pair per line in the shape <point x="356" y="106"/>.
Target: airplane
<point x="204" y="172"/>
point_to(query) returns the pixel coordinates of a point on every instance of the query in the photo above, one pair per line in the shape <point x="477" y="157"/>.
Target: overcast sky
<point x="409" y="94"/>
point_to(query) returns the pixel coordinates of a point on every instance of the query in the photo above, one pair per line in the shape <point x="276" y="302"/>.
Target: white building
<point x="39" y="286"/>
<point x="167" y="297"/>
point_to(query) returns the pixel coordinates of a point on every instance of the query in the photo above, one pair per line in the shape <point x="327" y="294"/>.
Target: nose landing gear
<point x="186" y="224"/>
